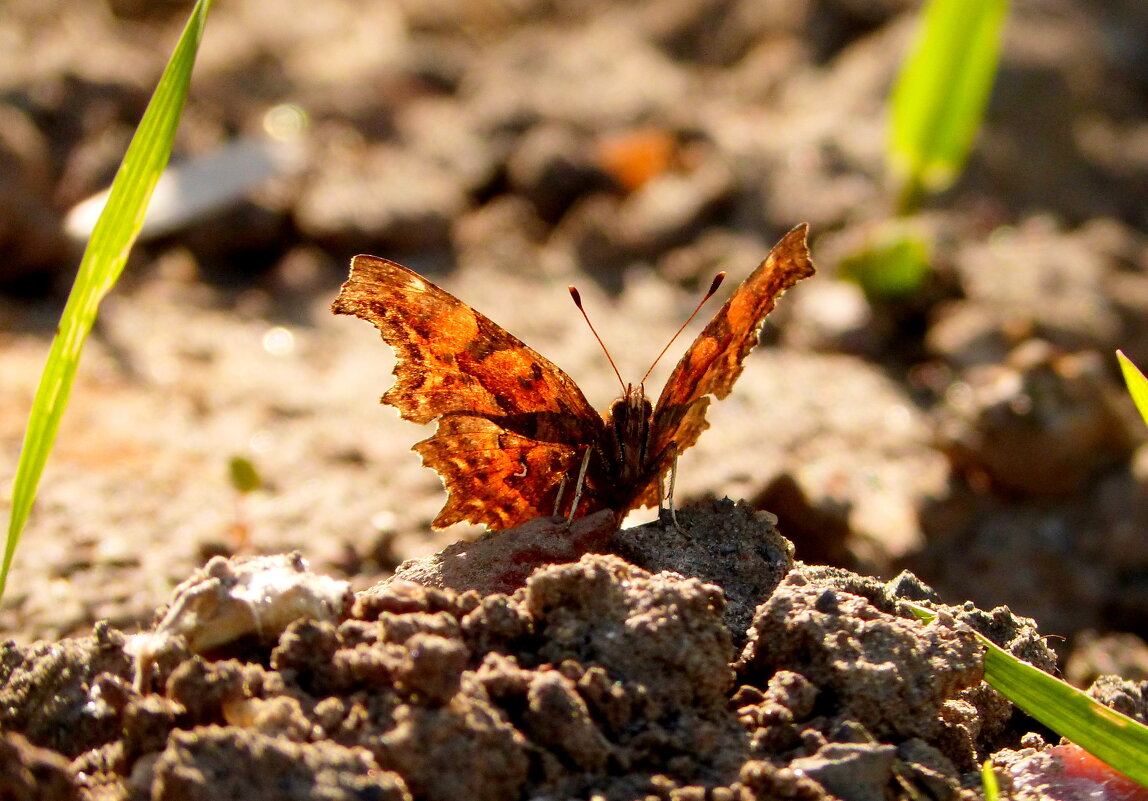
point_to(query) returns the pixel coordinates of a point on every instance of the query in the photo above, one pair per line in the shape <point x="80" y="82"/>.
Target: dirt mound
<point x="598" y="677"/>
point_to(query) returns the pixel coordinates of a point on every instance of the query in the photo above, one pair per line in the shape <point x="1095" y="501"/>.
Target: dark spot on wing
<point x="481" y="347"/>
<point x="425" y="325"/>
<point x="503" y="402"/>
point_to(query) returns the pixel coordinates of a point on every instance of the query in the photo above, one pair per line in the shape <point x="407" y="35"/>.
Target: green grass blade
<point x="895" y="261"/>
<point x="1114" y="738"/>
<point x="243" y="474"/>
<point x="989" y="781"/>
<point x="941" y="93"/>
<point x="100" y="268"/>
<point x="1137" y="384"/>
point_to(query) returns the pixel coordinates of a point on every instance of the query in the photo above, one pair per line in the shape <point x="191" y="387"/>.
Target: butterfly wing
<point x="714" y="361"/>
<point x="510" y="423"/>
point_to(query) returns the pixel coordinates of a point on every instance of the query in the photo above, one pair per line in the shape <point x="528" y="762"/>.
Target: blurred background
<point x="969" y="424"/>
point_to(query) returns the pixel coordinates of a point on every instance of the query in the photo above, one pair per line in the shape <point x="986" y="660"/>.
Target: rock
<point x="1041" y="425"/>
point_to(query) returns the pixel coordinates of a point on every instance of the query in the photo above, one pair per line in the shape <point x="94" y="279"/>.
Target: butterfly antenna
<point x="578" y="302"/>
<point x="713" y="288"/>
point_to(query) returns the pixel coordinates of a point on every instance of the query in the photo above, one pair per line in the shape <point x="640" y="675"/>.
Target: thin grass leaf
<point x="989" y="781"/>
<point x="1114" y="738"/>
<point x="895" y="263"/>
<point x="100" y="268"/>
<point x="1137" y="384"/>
<point x="941" y="94"/>
<point x="243" y="474"/>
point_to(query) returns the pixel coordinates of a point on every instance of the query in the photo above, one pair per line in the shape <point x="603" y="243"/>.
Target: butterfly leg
<point x="581" y="483"/>
<point x="558" y="497"/>
<point x="666" y="502"/>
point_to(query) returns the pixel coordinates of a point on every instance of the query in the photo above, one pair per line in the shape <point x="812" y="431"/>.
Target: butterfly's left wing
<point x="511" y="424"/>
<point x="714" y="361"/>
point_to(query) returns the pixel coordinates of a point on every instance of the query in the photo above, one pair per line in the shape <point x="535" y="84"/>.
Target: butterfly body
<point x="513" y="429"/>
<point x="621" y="467"/>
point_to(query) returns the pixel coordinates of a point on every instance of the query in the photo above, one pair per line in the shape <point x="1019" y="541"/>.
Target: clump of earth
<point x="689" y="661"/>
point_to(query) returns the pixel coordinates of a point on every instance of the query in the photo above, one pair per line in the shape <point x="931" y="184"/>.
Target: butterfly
<point x="513" y="431"/>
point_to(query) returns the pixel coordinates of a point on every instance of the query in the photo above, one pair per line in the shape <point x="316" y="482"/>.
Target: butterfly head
<point x="628" y="423"/>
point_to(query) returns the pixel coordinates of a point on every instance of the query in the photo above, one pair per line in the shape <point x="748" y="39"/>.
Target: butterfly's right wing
<point x="714" y="361"/>
<point x="510" y="423"/>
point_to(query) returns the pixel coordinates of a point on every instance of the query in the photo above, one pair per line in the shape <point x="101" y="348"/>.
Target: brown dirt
<point x="597" y="677"/>
<point x="977" y="433"/>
